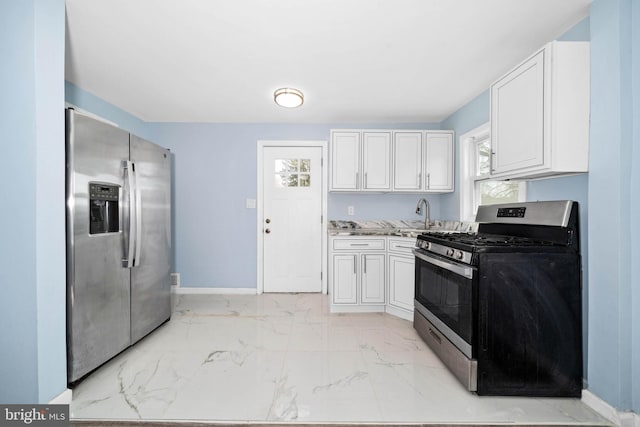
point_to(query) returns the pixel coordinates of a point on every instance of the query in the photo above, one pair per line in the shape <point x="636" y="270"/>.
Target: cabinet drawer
<point x="358" y="244"/>
<point x="402" y="246"/>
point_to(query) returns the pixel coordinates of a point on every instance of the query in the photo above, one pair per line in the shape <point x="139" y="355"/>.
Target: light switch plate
<point x="251" y="203"/>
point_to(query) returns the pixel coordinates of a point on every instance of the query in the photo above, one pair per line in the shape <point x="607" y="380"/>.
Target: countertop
<point x="400" y="228"/>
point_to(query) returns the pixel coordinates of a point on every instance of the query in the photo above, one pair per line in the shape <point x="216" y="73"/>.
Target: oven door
<point x="446" y="295"/>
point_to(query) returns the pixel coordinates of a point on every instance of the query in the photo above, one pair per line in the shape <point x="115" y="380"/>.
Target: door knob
<point x="267" y="231"/>
<point x="267" y="220"/>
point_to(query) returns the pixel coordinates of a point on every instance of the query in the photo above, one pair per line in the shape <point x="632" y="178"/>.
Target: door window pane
<point x="281" y="181"/>
<point x="287" y="173"/>
<point x="280" y="166"/>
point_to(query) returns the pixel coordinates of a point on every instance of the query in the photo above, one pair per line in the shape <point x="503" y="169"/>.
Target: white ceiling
<point x="355" y="60"/>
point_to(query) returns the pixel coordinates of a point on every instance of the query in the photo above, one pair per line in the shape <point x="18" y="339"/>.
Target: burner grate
<point x="483" y="240"/>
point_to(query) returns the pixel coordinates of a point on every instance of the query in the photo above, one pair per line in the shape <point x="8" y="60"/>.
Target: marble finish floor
<point x="285" y="358"/>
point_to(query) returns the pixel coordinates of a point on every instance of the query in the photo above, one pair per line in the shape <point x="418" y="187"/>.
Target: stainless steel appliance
<point x="502" y="307"/>
<point x="118" y="241"/>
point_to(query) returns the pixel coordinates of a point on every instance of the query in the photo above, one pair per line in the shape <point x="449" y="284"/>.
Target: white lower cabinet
<point x="401" y="277"/>
<point x="372" y="278"/>
<point x="358" y="271"/>
<point x="358" y="278"/>
<point x="345" y="279"/>
<point x="401" y="266"/>
<point x="358" y="275"/>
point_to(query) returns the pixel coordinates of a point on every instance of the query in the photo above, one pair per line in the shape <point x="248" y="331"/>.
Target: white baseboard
<point x="225" y="291"/>
<point x="337" y="308"/>
<point x="622" y="419"/>
<point x="63" y="398"/>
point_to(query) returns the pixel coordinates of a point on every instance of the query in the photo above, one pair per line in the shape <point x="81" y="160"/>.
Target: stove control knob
<point x="427" y="245"/>
<point x="449" y="252"/>
<point x="459" y="255"/>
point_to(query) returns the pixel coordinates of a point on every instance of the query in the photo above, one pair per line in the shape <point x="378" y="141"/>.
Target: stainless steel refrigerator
<point x="118" y="241"/>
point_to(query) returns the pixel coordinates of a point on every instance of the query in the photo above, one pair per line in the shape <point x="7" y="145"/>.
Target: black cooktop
<point x="469" y="241"/>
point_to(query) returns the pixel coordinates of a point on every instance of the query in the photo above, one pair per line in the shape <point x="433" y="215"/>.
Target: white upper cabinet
<point x="540" y="114"/>
<point x="345" y="160"/>
<point x="397" y="161"/>
<point x="376" y="161"/>
<point x="407" y="161"/>
<point x="439" y="161"/>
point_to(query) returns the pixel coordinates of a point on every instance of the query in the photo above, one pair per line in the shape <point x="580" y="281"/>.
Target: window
<point x="477" y="186"/>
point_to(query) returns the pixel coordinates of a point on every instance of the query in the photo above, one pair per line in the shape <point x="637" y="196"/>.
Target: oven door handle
<point x="454" y="268"/>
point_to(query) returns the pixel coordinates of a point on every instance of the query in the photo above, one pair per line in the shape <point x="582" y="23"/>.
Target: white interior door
<point x="292" y="219"/>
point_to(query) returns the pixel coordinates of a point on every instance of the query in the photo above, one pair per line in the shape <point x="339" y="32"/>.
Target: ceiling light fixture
<point x="288" y="97"/>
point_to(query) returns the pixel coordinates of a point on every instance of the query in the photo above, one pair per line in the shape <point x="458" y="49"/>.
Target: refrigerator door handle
<point x="129" y="261"/>
<point x="138" y="218"/>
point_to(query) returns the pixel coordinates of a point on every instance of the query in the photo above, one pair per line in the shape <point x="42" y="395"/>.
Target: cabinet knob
<point x="267" y="231"/>
<point x="268" y="221"/>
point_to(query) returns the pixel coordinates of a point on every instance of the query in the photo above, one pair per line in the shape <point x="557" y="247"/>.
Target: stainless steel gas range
<point x="502" y="307"/>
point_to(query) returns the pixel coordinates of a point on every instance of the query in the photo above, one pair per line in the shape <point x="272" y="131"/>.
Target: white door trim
<point x="260" y="200"/>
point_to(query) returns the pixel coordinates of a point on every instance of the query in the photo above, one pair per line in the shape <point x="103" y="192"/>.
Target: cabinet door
<point x="376" y="161"/>
<point x="372" y="279"/>
<point x="407" y="161"/>
<point x="517" y="117"/>
<point x="401" y="281"/>
<point x="345" y="279"/>
<point x="439" y="161"/>
<point x="345" y="158"/>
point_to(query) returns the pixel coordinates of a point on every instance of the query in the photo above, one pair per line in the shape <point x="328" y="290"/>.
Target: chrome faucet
<point x="426" y="211"/>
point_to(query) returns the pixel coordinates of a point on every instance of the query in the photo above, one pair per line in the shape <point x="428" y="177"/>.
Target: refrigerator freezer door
<point x="150" y="282"/>
<point x="98" y="303"/>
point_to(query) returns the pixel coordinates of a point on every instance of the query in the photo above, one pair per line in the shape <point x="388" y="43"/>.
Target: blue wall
<point x="18" y="336"/>
<point x="50" y="210"/>
<point x="469" y="117"/>
<point x="215" y="172"/>
<point x="32" y="274"/>
<point x="614" y="357"/>
<point x="382" y="206"/>
<point x="635" y="208"/>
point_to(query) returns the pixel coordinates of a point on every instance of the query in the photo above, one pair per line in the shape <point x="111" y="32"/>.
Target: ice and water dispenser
<point x="104" y="216"/>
